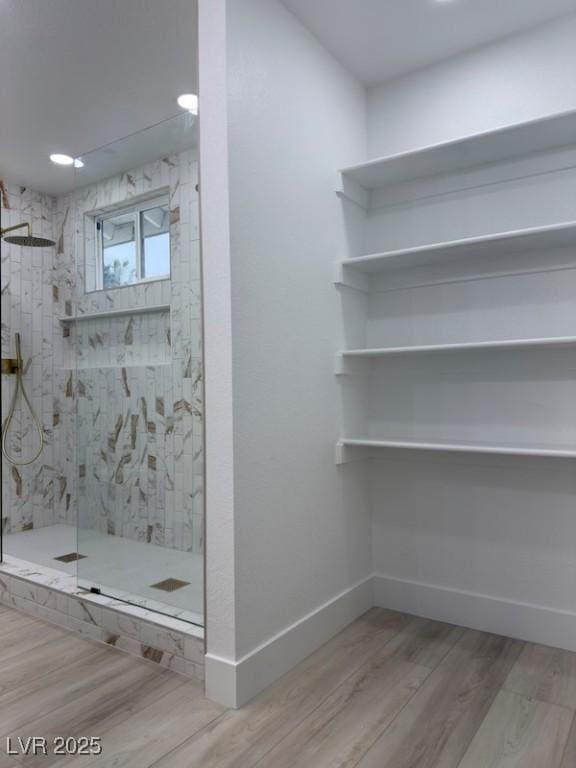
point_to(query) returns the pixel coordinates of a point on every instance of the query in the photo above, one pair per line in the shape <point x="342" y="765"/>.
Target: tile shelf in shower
<point x="152" y="309"/>
<point x="128" y="365"/>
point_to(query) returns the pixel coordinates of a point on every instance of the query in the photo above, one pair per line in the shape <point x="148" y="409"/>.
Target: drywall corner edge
<point x="220" y="680"/>
<point x="220" y="586"/>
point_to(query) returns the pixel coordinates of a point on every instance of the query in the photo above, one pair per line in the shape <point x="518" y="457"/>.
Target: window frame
<point x="136" y="208"/>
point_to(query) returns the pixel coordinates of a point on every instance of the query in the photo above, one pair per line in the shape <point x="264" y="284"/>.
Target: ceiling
<point x="382" y="39"/>
<point x="78" y="74"/>
<point x="158" y="141"/>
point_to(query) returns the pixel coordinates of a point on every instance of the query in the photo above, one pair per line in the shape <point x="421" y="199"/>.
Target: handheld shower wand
<point x="18" y="369"/>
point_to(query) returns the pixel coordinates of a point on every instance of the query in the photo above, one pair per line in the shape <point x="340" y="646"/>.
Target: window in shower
<point x="132" y="243"/>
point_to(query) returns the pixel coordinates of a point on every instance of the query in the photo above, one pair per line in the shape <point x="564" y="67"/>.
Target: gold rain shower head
<point x="28" y="240"/>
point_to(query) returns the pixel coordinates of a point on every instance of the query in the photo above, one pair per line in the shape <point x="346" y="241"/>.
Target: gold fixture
<point x="9" y="366"/>
<point x="29" y="240"/>
<point x="170" y="585"/>
<point x="19" y="370"/>
<point x="72" y="557"/>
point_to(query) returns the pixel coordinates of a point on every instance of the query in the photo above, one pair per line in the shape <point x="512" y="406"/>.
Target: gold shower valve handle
<point x="10" y="366"/>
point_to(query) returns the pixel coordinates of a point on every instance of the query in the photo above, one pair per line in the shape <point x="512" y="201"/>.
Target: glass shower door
<point x="136" y="328"/>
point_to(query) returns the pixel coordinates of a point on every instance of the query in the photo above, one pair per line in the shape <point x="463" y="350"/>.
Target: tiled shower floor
<point x="121" y="568"/>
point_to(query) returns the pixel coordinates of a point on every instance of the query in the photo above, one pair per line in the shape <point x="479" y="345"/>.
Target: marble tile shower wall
<point x="137" y="428"/>
<point x="33" y="300"/>
<point x="139" y="378"/>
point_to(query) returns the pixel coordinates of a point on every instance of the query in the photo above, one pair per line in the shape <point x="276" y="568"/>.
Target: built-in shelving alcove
<point x="459" y="297"/>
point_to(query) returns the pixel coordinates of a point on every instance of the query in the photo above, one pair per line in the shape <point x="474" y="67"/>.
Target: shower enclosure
<point x="110" y="320"/>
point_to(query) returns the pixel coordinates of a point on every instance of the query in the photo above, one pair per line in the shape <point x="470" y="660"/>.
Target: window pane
<point x="155" y="223"/>
<point x="157" y="255"/>
<point x="119" y="265"/>
<point x="118" y="250"/>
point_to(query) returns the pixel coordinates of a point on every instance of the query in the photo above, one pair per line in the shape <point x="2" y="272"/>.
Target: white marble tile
<point x="170" y="642"/>
<point x="176" y="645"/>
<point x="194" y="649"/>
<point x="157" y="446"/>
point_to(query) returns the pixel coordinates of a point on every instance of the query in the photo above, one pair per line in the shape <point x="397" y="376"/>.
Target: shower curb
<point x="52" y="596"/>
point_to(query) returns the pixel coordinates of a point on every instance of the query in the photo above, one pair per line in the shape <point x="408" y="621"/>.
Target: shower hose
<point x="12" y="409"/>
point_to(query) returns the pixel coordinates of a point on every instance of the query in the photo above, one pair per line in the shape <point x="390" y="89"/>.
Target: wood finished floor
<point x="390" y="691"/>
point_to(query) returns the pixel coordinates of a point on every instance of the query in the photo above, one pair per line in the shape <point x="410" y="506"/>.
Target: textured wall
<point x="302" y="523"/>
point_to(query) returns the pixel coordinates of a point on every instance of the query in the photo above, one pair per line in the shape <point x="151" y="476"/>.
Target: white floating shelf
<point x="115" y="313"/>
<point x="544" y="343"/>
<point x="517" y="241"/>
<point x="548" y="133"/>
<point x="342" y="456"/>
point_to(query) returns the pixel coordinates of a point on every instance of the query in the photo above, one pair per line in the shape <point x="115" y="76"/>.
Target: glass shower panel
<point x="139" y="401"/>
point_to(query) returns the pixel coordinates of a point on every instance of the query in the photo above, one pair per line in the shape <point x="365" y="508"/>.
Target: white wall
<point x="295" y="115"/>
<point x="483" y="542"/>
<point x="301" y="525"/>
<point x="216" y="292"/>
<point x="521" y="78"/>
<point x="289" y="535"/>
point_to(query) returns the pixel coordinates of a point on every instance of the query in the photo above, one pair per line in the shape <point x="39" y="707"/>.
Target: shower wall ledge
<point x="55" y="597"/>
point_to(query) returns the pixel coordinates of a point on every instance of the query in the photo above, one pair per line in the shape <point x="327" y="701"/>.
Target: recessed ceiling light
<point x="78" y="162"/>
<point x="62" y="159"/>
<point x="189" y="101"/>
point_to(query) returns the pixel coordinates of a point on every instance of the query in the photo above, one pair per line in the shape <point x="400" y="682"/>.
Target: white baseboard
<point x="525" y="621"/>
<point x="233" y="683"/>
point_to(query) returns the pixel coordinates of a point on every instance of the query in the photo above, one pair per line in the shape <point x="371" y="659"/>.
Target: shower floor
<point x="121" y="568"/>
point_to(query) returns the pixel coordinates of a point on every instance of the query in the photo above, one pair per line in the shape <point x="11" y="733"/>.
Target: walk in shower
<point x="109" y="319"/>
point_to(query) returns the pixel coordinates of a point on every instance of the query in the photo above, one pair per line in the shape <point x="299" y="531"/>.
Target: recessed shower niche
<point x="110" y="321"/>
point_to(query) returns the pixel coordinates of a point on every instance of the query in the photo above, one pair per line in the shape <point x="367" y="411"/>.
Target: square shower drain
<point x="71" y="557"/>
<point x="170" y="585"/>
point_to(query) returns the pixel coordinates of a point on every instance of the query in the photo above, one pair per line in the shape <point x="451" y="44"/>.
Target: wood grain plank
<point x="104" y="701"/>
<point x="519" y="732"/>
<point x="342" y="729"/>
<point x="45" y="659"/>
<point x="11" y="619"/>
<point x="21" y="640"/>
<point x="239" y="739"/>
<point x="8" y="762"/>
<point x="30" y="696"/>
<point x="153" y="733"/>
<point x="390" y="691"/>
<point x="437" y="725"/>
<point x="569" y="758"/>
<point x="424" y="642"/>
<point x="547" y="674"/>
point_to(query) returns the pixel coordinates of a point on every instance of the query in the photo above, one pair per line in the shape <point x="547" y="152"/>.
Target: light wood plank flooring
<point x="390" y="691"/>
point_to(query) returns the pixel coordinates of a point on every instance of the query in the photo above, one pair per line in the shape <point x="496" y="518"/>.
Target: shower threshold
<point x="120" y="568"/>
<point x="133" y="623"/>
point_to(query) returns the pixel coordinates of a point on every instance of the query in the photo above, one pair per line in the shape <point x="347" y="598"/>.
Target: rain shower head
<point x="29" y="240"/>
